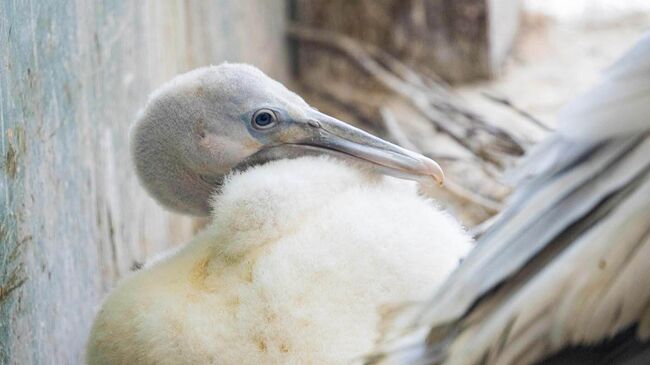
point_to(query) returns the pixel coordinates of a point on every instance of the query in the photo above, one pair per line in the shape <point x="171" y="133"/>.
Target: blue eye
<point x="264" y="118"/>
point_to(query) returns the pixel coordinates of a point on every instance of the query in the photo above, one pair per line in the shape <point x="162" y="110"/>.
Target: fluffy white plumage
<point x="300" y="261"/>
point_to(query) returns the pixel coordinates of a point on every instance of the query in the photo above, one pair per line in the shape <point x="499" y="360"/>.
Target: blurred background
<point x="471" y="83"/>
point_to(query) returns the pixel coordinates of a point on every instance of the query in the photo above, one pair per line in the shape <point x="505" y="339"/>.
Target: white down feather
<point x="300" y="261"/>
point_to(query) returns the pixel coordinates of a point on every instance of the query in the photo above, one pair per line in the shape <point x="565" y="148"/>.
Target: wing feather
<point x="527" y="227"/>
<point x="568" y="262"/>
<point x="573" y="312"/>
<point x="618" y="105"/>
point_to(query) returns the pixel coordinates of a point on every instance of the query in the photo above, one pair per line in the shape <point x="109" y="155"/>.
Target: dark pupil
<point x="263" y="119"/>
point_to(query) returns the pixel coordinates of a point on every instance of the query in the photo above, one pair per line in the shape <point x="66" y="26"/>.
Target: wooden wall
<point x="460" y="40"/>
<point x="73" y="218"/>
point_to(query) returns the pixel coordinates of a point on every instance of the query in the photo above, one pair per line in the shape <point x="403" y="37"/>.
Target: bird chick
<point x="300" y="259"/>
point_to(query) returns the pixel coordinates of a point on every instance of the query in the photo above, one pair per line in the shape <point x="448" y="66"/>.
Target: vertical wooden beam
<point x="73" y="218"/>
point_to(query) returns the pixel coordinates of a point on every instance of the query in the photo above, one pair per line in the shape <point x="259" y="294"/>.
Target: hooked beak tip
<point x="432" y="169"/>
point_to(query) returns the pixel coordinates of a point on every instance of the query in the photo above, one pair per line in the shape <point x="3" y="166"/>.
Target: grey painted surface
<point x="73" y="218"/>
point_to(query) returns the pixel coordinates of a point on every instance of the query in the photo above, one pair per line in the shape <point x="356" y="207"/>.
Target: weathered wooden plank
<point x="73" y="218"/>
<point x="460" y="40"/>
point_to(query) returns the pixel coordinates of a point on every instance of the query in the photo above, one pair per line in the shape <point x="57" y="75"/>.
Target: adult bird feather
<point x="567" y="265"/>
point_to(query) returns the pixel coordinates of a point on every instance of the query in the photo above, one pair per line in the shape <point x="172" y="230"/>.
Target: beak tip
<point x="436" y="172"/>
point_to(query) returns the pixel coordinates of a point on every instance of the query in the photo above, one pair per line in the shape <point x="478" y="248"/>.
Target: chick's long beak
<point x="332" y="136"/>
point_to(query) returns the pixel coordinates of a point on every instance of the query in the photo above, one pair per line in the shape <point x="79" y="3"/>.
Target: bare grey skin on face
<point x="207" y="122"/>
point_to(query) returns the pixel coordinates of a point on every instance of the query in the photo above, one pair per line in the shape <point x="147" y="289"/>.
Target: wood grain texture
<point x="73" y="218"/>
<point x="459" y="40"/>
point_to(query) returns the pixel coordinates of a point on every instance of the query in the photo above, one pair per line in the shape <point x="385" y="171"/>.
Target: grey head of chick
<point x="203" y="124"/>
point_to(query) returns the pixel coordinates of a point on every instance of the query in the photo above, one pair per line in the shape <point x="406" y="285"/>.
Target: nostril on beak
<point x="314" y="123"/>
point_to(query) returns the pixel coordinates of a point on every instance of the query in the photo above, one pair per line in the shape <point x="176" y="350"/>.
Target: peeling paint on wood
<point x="73" y="218"/>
